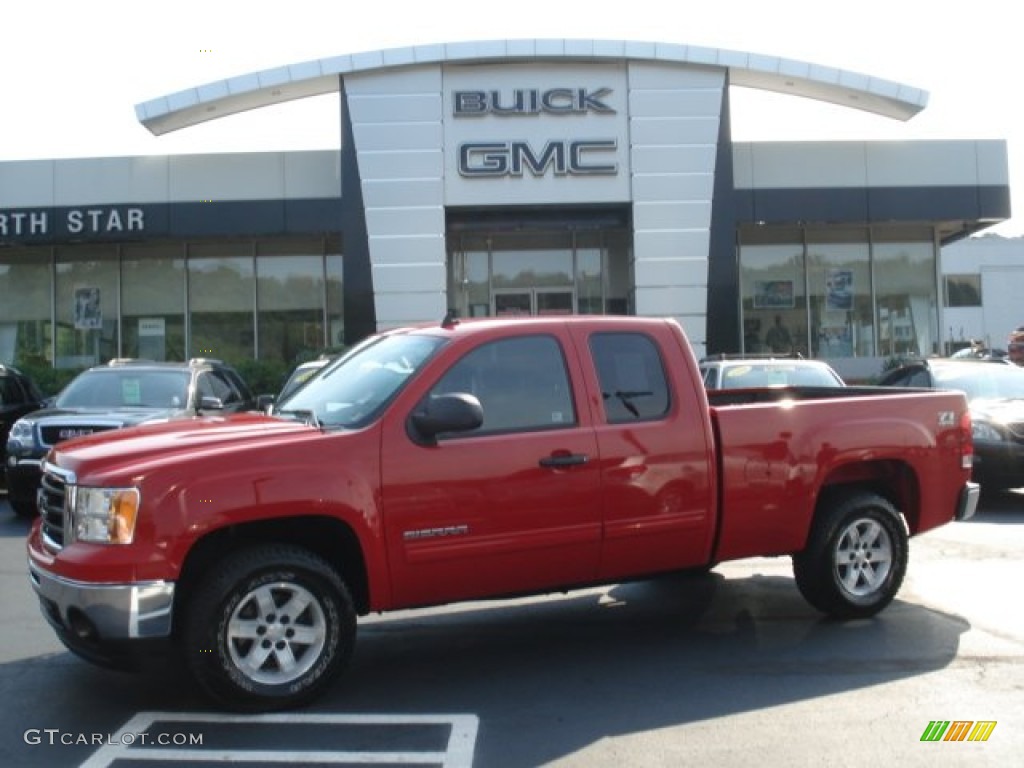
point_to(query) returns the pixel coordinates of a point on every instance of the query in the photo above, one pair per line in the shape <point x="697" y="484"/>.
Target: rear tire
<point x="269" y="628"/>
<point x="856" y="557"/>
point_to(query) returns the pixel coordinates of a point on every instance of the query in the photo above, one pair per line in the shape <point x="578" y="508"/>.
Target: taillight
<point x="966" y="441"/>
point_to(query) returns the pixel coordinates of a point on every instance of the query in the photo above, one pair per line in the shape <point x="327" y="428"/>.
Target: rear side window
<point x="633" y="382"/>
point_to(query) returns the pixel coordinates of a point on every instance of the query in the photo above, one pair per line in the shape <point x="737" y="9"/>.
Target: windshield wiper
<point x="625" y="396"/>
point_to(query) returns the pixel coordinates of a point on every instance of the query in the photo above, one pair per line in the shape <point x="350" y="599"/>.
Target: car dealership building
<point x="498" y="178"/>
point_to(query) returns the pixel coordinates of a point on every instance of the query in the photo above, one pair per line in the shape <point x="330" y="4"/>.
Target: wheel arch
<point x="329" y="538"/>
<point x="891" y="479"/>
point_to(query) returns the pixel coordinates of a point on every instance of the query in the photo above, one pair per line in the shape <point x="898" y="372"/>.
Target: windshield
<point x="353" y="390"/>
<point x="126" y="388"/>
<point x="983" y="380"/>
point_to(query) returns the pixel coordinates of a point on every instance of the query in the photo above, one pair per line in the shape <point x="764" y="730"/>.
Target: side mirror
<point x="455" y="412"/>
<point x="265" y="403"/>
<point x="207" y="403"/>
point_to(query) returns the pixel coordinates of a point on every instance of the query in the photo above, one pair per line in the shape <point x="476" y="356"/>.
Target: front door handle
<point x="564" y="460"/>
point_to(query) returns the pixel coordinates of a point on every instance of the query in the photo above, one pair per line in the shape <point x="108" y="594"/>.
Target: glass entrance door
<point x="532" y="301"/>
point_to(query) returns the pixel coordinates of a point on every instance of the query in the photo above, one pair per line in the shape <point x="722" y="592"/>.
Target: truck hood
<point x="196" y="437"/>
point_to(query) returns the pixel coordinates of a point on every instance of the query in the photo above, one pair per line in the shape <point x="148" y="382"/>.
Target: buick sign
<point x="532" y="101"/>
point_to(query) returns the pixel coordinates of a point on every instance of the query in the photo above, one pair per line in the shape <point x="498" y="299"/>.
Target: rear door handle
<point x="565" y="460"/>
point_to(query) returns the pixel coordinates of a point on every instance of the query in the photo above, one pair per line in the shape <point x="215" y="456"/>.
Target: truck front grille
<point x="53" y="492"/>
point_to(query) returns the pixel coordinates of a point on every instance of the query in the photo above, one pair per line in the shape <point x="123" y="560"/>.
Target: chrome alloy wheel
<point x="863" y="557"/>
<point x="276" y="633"/>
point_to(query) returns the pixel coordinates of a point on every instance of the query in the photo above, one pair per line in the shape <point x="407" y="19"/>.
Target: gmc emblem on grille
<point x="67" y="433"/>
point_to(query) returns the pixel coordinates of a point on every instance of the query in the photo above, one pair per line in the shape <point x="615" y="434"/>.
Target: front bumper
<point x="98" y="613"/>
<point x="967" y="504"/>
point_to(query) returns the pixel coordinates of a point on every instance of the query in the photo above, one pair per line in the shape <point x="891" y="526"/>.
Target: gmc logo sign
<point x="67" y="433"/>
<point x="511" y="158"/>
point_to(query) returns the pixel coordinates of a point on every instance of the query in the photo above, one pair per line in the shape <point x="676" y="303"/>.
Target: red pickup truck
<point x="468" y="460"/>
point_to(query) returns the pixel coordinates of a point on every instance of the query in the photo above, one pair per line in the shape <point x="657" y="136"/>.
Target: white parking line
<point x="129" y="742"/>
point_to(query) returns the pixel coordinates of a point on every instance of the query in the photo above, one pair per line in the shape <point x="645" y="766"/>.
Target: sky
<point x="72" y="71"/>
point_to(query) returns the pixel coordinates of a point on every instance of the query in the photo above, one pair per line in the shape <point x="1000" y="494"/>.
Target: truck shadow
<point x="634" y="658"/>
<point x="568" y="670"/>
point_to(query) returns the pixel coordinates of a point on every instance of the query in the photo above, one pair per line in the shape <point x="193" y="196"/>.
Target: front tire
<point x="855" y="559"/>
<point x="269" y="628"/>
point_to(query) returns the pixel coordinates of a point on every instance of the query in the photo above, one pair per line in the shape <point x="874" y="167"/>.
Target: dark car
<point x="19" y="395"/>
<point x="725" y="372"/>
<point x="122" y="393"/>
<point x="995" y="394"/>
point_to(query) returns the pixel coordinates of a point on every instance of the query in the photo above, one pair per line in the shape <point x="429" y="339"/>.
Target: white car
<point x="724" y="372"/>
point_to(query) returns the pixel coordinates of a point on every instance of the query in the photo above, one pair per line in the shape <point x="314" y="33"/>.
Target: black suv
<point x="122" y="393"/>
<point x="19" y="396"/>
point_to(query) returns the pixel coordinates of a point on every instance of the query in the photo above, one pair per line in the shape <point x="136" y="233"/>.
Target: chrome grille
<point x="52" y="434"/>
<point x="53" y="502"/>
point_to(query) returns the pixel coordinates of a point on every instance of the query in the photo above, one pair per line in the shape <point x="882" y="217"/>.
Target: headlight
<point x="982" y="431"/>
<point x="22" y="431"/>
<point x="105" y="515"/>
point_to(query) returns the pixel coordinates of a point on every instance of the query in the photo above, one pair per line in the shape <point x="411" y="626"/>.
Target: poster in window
<point x="88" y="315"/>
<point x="773" y="294"/>
<point x="839" y="289"/>
<point x="835" y="341"/>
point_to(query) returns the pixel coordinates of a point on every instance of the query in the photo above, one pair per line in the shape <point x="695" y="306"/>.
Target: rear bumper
<point x="967" y="504"/>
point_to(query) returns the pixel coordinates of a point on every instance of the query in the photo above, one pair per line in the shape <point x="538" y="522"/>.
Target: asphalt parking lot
<point x="729" y="669"/>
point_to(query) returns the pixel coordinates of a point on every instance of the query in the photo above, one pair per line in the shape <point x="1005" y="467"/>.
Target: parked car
<point x="19" y="395"/>
<point x="995" y="395"/>
<point x="752" y="371"/>
<point x="302" y="373"/>
<point x="122" y="393"/>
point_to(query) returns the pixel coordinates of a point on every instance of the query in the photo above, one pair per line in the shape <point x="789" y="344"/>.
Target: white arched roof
<point x="320" y="76"/>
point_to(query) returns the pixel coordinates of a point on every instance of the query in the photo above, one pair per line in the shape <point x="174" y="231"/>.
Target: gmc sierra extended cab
<point x="469" y="460"/>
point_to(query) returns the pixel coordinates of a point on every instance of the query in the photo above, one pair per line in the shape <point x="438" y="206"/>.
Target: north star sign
<point x="76" y="221"/>
<point x="564" y="157"/>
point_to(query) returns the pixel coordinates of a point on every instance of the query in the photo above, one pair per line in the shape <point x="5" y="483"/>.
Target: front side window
<point x="633" y="382"/>
<point x="521" y="383"/>
<point x="216" y="384"/>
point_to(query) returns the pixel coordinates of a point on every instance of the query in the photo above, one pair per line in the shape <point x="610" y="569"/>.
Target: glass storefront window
<point x="589" y="274"/>
<point x="469" y="289"/>
<point x="618" y="272"/>
<point x="26" y="287"/>
<point x="290" y="298"/>
<point x="221" y="301"/>
<point x="335" y="294"/>
<point x="153" y="301"/>
<point x="87" y="308"/>
<point x="962" y="290"/>
<point x="905" y="273"/>
<point x="541" y="272"/>
<point x="772" y="293"/>
<point x="839" y="291"/>
<point x="531" y="260"/>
